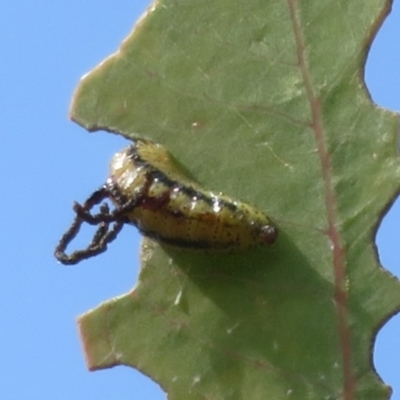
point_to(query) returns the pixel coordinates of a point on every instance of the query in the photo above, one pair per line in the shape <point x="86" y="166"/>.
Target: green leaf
<point x="266" y="102"/>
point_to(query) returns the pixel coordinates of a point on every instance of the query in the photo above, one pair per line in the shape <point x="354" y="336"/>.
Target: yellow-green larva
<point x="149" y="191"/>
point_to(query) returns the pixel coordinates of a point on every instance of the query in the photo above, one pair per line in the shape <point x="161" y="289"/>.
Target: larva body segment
<point x="177" y="211"/>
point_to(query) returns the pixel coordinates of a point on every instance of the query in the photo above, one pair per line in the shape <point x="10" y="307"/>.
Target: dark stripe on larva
<point x="189" y="191"/>
<point x="197" y="245"/>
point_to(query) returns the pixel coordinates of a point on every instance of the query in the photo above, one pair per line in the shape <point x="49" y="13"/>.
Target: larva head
<point x="268" y="234"/>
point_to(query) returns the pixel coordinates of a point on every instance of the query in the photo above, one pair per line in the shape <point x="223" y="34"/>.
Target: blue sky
<point x="47" y="162"/>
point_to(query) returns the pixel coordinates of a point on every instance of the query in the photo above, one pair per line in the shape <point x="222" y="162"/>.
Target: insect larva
<point x="149" y="191"/>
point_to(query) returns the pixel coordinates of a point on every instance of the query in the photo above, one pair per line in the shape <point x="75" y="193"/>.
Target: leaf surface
<point x="264" y="101"/>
